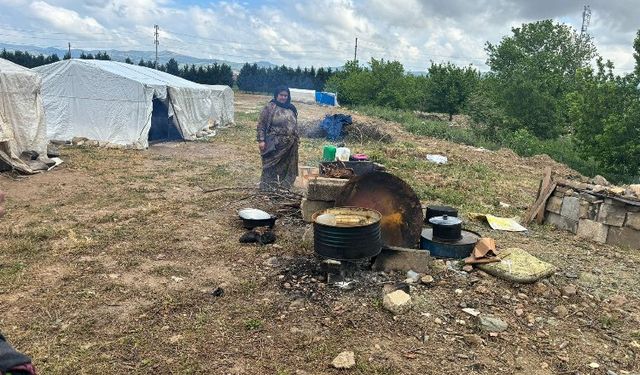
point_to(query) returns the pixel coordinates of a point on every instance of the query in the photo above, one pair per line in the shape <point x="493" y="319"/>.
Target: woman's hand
<point x="262" y="146"/>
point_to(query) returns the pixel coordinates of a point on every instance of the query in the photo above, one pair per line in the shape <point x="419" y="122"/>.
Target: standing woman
<point x="278" y="141"/>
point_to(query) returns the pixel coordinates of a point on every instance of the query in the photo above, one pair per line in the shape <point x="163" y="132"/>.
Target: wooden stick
<point x="539" y="204"/>
<point x="226" y="188"/>
<point x="546" y="180"/>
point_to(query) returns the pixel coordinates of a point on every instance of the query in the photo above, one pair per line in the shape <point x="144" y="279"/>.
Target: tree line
<point x="260" y="79"/>
<point x="215" y="74"/>
<point x="547" y="90"/>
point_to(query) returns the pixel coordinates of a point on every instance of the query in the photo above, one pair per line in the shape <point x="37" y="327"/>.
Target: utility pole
<point x="69" y="50"/>
<point x="586" y="18"/>
<point x="355" y="52"/>
<point x="156" y="43"/>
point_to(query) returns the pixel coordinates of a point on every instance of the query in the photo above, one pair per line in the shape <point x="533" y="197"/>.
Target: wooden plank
<point x="546" y="180"/>
<point x="539" y="204"/>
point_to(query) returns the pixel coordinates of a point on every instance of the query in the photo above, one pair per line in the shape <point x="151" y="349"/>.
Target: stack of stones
<point x="603" y="214"/>
<point x="322" y="193"/>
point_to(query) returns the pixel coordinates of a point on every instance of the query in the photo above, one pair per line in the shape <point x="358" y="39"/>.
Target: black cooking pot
<point x="446" y="228"/>
<point x="254" y="223"/>
<point x="252" y="218"/>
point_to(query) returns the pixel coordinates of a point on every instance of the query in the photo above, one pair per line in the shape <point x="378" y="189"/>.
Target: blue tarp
<point x="326" y="98"/>
<point x="332" y="125"/>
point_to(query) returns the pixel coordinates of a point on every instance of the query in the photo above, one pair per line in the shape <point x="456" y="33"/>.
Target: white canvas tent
<point x="22" y="126"/>
<point x="223" y="103"/>
<point x="122" y="104"/>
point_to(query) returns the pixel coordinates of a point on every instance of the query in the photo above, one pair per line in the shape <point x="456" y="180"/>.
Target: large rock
<point x="592" y="230"/>
<point x="309" y="207"/>
<point x="599" y="180"/>
<point x="633" y="220"/>
<point x="398" y="259"/>
<point x="625" y="236"/>
<point x="635" y="189"/>
<point x="588" y="210"/>
<point x="612" y="213"/>
<point x="344" y="360"/>
<point x="589" y="197"/>
<point x="492" y="324"/>
<point x="570" y="208"/>
<point x="397" y="302"/>
<point x="554" y="204"/>
<point x="562" y="222"/>
<point x="325" y="189"/>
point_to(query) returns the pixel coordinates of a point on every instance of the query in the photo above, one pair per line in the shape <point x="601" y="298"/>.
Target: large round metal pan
<point x="394" y="199"/>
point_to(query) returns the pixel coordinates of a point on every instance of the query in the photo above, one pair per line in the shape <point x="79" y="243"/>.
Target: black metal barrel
<point x="347" y="233"/>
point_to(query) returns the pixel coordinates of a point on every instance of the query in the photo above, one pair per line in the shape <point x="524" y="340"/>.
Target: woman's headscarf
<point x="286" y="105"/>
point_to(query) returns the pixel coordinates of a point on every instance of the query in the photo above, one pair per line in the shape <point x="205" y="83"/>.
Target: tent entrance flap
<point x="163" y="127"/>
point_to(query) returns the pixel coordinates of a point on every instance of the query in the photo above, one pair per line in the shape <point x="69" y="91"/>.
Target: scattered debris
<point x="492" y="324"/>
<point x="500" y="223"/>
<point x="177" y="279"/>
<point x="483" y="252"/>
<point x="344" y="360"/>
<point x="397" y="302"/>
<point x="470" y="311"/>
<point x="217" y="292"/>
<point x="569" y="290"/>
<point x="437" y="159"/>
<point x="426" y="279"/>
<point x="412" y="277"/>
<point x="390" y="288"/>
<point x="261" y="235"/>
<point x="473" y="339"/>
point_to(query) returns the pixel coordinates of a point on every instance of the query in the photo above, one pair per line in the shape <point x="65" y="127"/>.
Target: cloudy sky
<point x="312" y="32"/>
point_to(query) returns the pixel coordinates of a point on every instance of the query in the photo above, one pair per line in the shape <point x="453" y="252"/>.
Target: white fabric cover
<point x="22" y="125"/>
<point x="111" y="102"/>
<point x="303" y="96"/>
<point x="223" y="104"/>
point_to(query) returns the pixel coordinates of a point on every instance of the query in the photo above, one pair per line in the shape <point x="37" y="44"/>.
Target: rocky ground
<point x="119" y="262"/>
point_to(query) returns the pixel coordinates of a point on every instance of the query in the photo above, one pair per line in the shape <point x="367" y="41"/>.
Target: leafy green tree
<point x="449" y="87"/>
<point x="383" y="83"/>
<point x="636" y="55"/>
<point x="172" y="67"/>
<point x="102" y="56"/>
<point x="534" y="70"/>
<point x="605" y="112"/>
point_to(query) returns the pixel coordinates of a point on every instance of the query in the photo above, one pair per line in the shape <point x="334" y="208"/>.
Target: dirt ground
<point x="108" y="265"/>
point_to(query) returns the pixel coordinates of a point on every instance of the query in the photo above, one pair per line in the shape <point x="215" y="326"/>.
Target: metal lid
<point x="445" y="220"/>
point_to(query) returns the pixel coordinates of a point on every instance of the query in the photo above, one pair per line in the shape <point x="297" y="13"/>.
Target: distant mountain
<point x="117" y="55"/>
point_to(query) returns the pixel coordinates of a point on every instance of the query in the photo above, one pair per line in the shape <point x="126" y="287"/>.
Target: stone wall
<point x="595" y="214"/>
<point x="322" y="193"/>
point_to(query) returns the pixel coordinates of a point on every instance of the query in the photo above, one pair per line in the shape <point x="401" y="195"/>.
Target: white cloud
<point x="318" y="32"/>
<point x="67" y="20"/>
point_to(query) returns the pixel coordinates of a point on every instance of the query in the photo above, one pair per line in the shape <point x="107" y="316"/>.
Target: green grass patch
<point x="253" y="324"/>
<point x="522" y="142"/>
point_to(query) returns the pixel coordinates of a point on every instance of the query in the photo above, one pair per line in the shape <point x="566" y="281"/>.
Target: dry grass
<point x="107" y="265"/>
